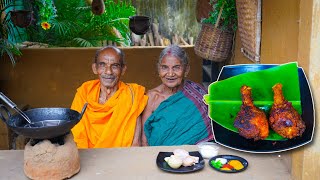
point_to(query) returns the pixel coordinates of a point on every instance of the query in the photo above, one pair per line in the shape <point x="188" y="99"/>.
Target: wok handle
<point x="7" y="111"/>
<point x="7" y="100"/>
<point x="83" y="110"/>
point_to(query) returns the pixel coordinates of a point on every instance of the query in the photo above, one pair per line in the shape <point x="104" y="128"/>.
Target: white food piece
<point x="195" y="158"/>
<point x="222" y="160"/>
<point x="173" y="161"/>
<point x="181" y="153"/>
<point x="181" y="157"/>
<point x="188" y="161"/>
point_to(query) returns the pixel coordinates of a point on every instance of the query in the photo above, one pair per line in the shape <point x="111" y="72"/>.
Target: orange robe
<point x="111" y="124"/>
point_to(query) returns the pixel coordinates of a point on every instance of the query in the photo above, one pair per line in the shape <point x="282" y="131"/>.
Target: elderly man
<point x="175" y="113"/>
<point x="112" y="118"/>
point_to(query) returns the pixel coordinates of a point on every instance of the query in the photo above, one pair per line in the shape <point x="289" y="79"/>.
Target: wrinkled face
<point x="172" y="71"/>
<point x="108" y="68"/>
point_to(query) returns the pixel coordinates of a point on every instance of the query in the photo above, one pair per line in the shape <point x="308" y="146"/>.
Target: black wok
<point x="46" y="123"/>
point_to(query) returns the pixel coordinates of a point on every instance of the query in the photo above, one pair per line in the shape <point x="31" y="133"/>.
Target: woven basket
<point x="213" y="43"/>
<point x="249" y="26"/>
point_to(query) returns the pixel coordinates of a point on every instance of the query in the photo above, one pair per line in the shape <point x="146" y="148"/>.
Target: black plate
<point x="233" y="140"/>
<point x="230" y="157"/>
<point x="162" y="164"/>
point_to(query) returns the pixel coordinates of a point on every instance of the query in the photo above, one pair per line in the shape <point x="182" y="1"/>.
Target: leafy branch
<point x="228" y="18"/>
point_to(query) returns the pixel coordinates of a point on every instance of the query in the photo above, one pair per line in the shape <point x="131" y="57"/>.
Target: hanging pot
<point x="139" y="24"/>
<point x="97" y="7"/>
<point x="21" y="18"/>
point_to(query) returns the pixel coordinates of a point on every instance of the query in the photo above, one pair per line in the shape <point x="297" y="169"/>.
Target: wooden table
<point x="140" y="163"/>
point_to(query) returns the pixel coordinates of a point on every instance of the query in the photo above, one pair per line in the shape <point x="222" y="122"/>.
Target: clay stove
<point x="55" y="158"/>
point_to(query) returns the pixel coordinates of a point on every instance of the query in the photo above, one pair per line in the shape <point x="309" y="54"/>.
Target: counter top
<point x="140" y="163"/>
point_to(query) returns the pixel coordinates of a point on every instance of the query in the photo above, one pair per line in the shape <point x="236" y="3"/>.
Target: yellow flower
<point x="45" y="25"/>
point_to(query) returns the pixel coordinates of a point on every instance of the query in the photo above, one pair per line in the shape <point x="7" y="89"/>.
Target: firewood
<point x="157" y="40"/>
<point x="161" y="42"/>
<point x="190" y="40"/>
<point x="104" y="43"/>
<point x="150" y="37"/>
<point x="157" y="37"/>
<point x="166" y="41"/>
<point x="143" y="40"/>
<point x="175" y="39"/>
<point x="183" y="41"/>
<point x="135" y="39"/>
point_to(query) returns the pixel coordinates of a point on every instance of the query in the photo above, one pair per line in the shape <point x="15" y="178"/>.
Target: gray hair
<point x="176" y="51"/>
<point x="119" y="52"/>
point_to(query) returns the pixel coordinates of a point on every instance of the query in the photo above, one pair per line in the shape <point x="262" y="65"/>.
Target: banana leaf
<point x="224" y="98"/>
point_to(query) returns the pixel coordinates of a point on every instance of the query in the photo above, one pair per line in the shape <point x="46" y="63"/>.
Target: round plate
<point x="230" y="157"/>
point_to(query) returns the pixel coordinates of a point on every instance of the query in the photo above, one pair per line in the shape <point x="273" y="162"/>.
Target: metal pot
<point x="139" y="24"/>
<point x="46" y="123"/>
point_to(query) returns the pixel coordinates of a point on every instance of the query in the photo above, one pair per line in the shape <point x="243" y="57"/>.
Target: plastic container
<point x="208" y="149"/>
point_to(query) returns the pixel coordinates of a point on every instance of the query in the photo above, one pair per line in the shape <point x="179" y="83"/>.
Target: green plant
<point x="76" y="26"/>
<point x="9" y="34"/>
<point x="228" y="19"/>
<point x="47" y="13"/>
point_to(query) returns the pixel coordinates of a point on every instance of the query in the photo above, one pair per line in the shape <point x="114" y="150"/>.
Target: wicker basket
<point x="213" y="44"/>
<point x="249" y="26"/>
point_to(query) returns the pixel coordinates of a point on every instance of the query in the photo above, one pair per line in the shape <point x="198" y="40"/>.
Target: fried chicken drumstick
<point x="284" y="119"/>
<point x="251" y="121"/>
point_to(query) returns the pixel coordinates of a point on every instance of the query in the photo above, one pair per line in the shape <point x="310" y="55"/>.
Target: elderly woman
<point x="175" y="113"/>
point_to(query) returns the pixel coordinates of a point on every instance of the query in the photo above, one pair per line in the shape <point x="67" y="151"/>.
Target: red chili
<point x="227" y="166"/>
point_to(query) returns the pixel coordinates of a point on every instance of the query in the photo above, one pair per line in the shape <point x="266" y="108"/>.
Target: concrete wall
<point x="49" y="77"/>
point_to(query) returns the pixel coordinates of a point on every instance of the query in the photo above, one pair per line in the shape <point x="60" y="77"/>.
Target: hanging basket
<point x="139" y="24"/>
<point x="213" y="44"/>
<point x="97" y="7"/>
<point x="21" y="18"/>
